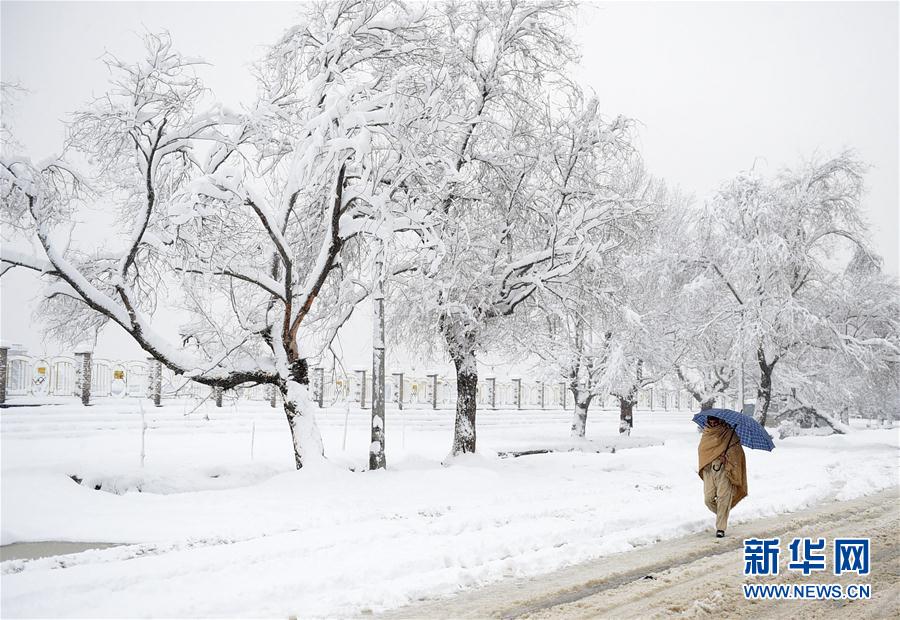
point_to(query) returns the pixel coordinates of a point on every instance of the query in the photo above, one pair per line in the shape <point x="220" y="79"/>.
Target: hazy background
<point x="717" y="88"/>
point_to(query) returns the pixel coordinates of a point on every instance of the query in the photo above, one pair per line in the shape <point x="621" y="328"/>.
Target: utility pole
<point x="376" y="447"/>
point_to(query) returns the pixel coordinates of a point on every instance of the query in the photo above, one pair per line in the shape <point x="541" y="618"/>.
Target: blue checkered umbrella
<point x="749" y="431"/>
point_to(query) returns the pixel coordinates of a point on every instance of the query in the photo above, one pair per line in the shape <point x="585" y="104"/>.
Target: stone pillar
<point x="4" y="357"/>
<point x="492" y="391"/>
<point x="517" y="392"/>
<point x="361" y="376"/>
<point x="434" y="388"/>
<point x="155" y="377"/>
<point x="320" y="388"/>
<point x="87" y="370"/>
<point x="398" y="394"/>
<point x="315" y="386"/>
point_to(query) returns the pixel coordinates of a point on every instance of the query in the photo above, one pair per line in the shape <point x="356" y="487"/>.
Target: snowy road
<point x="699" y="575"/>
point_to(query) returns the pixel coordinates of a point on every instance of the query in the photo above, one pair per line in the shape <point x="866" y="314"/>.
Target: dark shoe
<point x="720" y="533"/>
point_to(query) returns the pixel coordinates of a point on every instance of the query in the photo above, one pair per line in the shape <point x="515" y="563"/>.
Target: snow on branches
<point x="251" y="223"/>
<point x="540" y="183"/>
<point x="775" y="247"/>
<point x="445" y="147"/>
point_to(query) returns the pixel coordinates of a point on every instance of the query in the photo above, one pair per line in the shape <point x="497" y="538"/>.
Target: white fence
<point x="58" y="376"/>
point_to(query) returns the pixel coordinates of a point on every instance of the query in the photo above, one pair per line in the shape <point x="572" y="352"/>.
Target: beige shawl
<point x="722" y="442"/>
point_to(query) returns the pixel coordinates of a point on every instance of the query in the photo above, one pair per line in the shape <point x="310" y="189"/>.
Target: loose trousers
<point x="717" y="492"/>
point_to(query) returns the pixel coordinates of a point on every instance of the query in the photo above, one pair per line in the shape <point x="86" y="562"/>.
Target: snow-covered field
<point x="217" y="524"/>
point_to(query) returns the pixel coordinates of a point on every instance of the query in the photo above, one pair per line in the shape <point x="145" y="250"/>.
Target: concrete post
<point x="361" y="376"/>
<point x="320" y="379"/>
<point x="155" y="374"/>
<point x="434" y="386"/>
<point x="87" y="369"/>
<point x="399" y="393"/>
<point x="315" y="386"/>
<point x="4" y="364"/>
<point x="4" y="357"/>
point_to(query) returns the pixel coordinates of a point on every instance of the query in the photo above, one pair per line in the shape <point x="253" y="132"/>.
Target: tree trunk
<point x="377" y="458"/>
<point x="764" y="393"/>
<point x="845" y="416"/>
<point x="579" y="422"/>
<point x="707" y="404"/>
<point x="626" y="418"/>
<point x="466" y="393"/>
<point x="301" y="417"/>
<point x="460" y="338"/>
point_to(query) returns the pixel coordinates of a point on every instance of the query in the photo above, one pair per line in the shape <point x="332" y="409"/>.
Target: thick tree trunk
<point x="301" y="417"/>
<point x="579" y="422"/>
<point x="466" y="393"/>
<point x="626" y="415"/>
<point x="707" y="404"/>
<point x="460" y="339"/>
<point x="377" y="458"/>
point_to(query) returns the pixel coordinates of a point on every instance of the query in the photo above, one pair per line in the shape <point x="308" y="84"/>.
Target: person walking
<point x="723" y="470"/>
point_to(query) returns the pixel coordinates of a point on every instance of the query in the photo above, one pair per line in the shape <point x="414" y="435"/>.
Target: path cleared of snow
<point x="212" y="532"/>
<point x="698" y="576"/>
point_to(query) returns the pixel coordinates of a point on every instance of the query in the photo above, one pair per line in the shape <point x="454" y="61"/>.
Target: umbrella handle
<point x="728" y="447"/>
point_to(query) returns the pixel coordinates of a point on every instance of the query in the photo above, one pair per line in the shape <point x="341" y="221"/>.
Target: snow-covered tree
<point x="254" y="224"/>
<point x="705" y="337"/>
<point x="701" y="333"/>
<point x="562" y="329"/>
<point x="535" y="192"/>
<point x="774" y="246"/>
<point x="705" y="365"/>
<point x="496" y="60"/>
<point x="867" y="322"/>
<point x="639" y="349"/>
<point x="601" y="328"/>
<point x="848" y="364"/>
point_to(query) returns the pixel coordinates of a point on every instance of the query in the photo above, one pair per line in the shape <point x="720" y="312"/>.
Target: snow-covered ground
<point x="223" y="526"/>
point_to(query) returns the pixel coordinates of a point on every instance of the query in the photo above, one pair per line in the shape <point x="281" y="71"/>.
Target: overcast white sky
<point x="716" y="86"/>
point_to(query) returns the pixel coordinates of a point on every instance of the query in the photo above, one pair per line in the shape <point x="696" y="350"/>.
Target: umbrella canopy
<point x="748" y="430"/>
